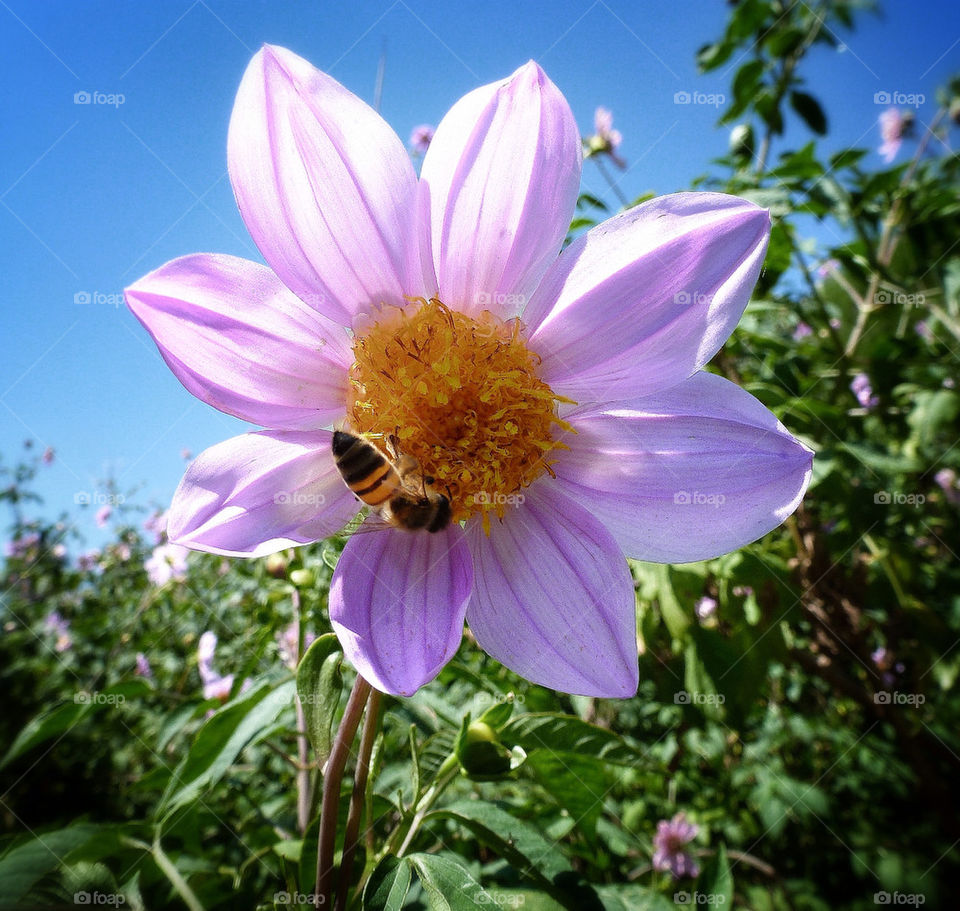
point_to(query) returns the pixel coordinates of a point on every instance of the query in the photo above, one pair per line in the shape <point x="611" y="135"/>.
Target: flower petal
<point x="259" y="493"/>
<point x="644" y="300"/>
<point x="687" y="474"/>
<point x="325" y="187"/>
<point x="239" y="340"/>
<point x="397" y="602"/>
<point x="553" y="597"/>
<point x="497" y="191"/>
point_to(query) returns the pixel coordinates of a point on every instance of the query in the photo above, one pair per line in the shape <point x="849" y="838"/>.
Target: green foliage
<point x="806" y="722"/>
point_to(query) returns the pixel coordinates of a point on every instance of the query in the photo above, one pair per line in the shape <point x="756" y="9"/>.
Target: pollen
<point x="462" y="396"/>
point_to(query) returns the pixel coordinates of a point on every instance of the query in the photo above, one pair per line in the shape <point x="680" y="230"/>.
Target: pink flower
<point x="894" y="125"/>
<point x="103" y="516"/>
<point x="56" y="624"/>
<point x="48" y="455"/>
<point x="668" y="853"/>
<point x="390" y="305"/>
<point x="87" y="562"/>
<point x="863" y="391"/>
<point x="214" y="686"/>
<point x="705" y="608"/>
<point x="605" y="140"/>
<point x="946" y="480"/>
<point x="420" y="139"/>
<point x="289" y="641"/>
<point x="168" y="561"/>
<point x="156" y="525"/>
<point x="801" y="331"/>
<point x="143" y="667"/>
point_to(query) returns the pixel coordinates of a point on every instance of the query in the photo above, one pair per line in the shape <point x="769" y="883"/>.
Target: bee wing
<point x="363" y="523"/>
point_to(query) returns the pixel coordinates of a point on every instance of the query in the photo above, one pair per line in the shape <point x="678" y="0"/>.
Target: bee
<point x="391" y="483"/>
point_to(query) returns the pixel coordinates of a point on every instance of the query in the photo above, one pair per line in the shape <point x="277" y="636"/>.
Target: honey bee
<point x="391" y="483"/>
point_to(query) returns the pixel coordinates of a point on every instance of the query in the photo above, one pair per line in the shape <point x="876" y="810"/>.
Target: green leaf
<point x="716" y="880"/>
<point x="533" y="855"/>
<point x="567" y="734"/>
<point x="675" y="617"/>
<point x="61" y="719"/>
<point x="387" y="888"/>
<point x="633" y="897"/>
<point x="448" y="885"/>
<point x="318" y="689"/>
<point x="220" y="741"/>
<point x="575" y="780"/>
<point x="809" y="109"/>
<point x="22" y="866"/>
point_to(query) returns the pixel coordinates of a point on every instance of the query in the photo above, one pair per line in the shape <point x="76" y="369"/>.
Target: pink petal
<point x="325" y="186"/>
<point x="397" y="602"/>
<point x="239" y="340"/>
<point x="259" y="493"/>
<point x="687" y="474"/>
<point x="553" y="597"/>
<point x="497" y="191"/>
<point x="644" y="300"/>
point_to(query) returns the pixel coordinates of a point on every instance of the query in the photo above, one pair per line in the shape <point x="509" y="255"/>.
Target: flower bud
<point x="303" y="578"/>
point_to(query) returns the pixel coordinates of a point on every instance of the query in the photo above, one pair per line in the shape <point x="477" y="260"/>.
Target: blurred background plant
<point x="794" y="740"/>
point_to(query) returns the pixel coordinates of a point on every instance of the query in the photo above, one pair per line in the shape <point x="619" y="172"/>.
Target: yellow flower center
<point x="462" y="396"/>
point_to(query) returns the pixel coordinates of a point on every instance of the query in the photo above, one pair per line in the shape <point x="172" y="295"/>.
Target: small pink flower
<point x="143" y="666"/>
<point x="605" y="140"/>
<point x="103" y="516"/>
<point x="87" y="562"/>
<point x="705" y="608"/>
<point x="289" y="640"/>
<point x="48" y="455"/>
<point x="168" y="561"/>
<point x="56" y="624"/>
<point x="828" y="267"/>
<point x="668" y="843"/>
<point x="894" y="125"/>
<point x="420" y="139"/>
<point x="802" y="331"/>
<point x="186" y="455"/>
<point x="946" y="479"/>
<point x="156" y="525"/>
<point x="861" y="388"/>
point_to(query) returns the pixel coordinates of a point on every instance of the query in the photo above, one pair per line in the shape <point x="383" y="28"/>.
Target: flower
<point x="143" y="667"/>
<point x="168" y="561"/>
<point x="55" y="623"/>
<point x="894" y="125"/>
<point x="946" y="480"/>
<point x="668" y="853"/>
<point x="605" y="140"/>
<point x="863" y="391"/>
<point x="802" y="330"/>
<point x="156" y="525"/>
<point x="828" y="267"/>
<point x="48" y="455"/>
<point x="214" y="686"/>
<point x="420" y="138"/>
<point x="88" y="561"/>
<point x="103" y="516"/>
<point x="289" y="641"/>
<point x="563" y="442"/>
<point x="705" y="608"/>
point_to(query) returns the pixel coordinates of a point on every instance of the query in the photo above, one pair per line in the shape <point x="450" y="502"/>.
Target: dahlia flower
<point x="558" y="401"/>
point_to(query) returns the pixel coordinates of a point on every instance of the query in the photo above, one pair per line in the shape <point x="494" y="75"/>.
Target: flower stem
<point x="445" y="775"/>
<point x="333" y="775"/>
<point x="609" y="179"/>
<point x="371" y="725"/>
<point x="303" y="755"/>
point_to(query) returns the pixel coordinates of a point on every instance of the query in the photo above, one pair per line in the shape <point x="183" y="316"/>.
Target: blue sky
<point x="92" y="196"/>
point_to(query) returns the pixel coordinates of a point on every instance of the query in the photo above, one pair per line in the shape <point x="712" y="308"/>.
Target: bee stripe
<point x="358" y="466"/>
<point x="370" y="484"/>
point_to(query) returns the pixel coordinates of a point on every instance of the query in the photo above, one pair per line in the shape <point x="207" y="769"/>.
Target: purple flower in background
<point x="55" y="623"/>
<point x="705" y="608"/>
<point x="48" y="455"/>
<point x="214" y="685"/>
<point x="420" y="139"/>
<point x="668" y="843"/>
<point x="156" y="525"/>
<point x="861" y="388"/>
<point x="289" y="640"/>
<point x="828" y="267"/>
<point x="20" y="547"/>
<point x="87" y="562"/>
<point x="605" y="139"/>
<point x="390" y="305"/>
<point x="946" y="480"/>
<point x="103" y="516"/>
<point x="894" y="125"/>
<point x="143" y="667"/>
<point x="802" y="330"/>
<point x="168" y="561"/>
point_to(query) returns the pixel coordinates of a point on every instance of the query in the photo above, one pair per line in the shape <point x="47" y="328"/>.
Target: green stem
<point x="445" y="774"/>
<point x="176" y="880"/>
<point x="332" y="777"/>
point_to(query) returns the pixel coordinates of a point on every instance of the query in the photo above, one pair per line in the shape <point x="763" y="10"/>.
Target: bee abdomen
<point x="364" y="468"/>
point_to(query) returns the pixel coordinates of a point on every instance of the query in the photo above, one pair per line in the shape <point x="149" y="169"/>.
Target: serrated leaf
<point x="220" y="741"/>
<point x="387" y="888"/>
<point x="517" y="842"/>
<point x="318" y="689"/>
<point x="566" y="733"/>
